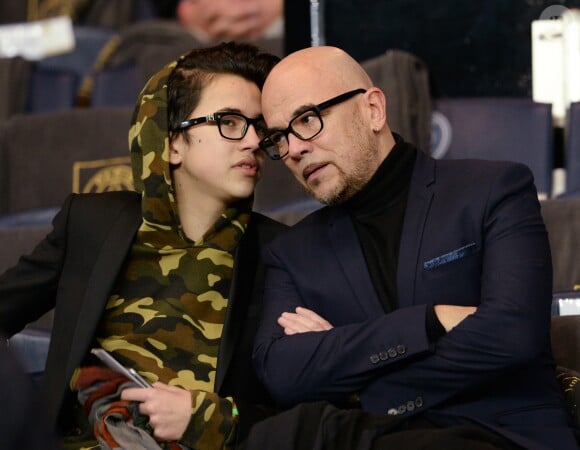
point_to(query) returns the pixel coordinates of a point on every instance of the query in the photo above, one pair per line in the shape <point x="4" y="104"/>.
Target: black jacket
<point x="74" y="269"/>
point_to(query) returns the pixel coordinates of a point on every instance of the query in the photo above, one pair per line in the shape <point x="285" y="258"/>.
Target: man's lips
<point x="311" y="169"/>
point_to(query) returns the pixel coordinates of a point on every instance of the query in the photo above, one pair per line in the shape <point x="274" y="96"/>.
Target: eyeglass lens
<point x="235" y="126"/>
<point x="305" y="126"/>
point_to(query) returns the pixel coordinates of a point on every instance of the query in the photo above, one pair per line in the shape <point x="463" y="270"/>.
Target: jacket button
<point x="383" y="356"/>
<point x="402" y="409"/>
<point x="375" y="359"/>
<point x="410" y="406"/>
<point x="419" y="402"/>
<point x="392" y="352"/>
<point x="401" y="350"/>
<point x="392" y="412"/>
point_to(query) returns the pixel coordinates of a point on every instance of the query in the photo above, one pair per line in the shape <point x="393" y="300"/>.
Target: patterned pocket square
<point x="454" y="255"/>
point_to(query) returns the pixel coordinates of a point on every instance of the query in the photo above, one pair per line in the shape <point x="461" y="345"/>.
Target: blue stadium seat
<point x="115" y="87"/>
<point x="511" y="129"/>
<point x="572" y="154"/>
<point x="51" y="90"/>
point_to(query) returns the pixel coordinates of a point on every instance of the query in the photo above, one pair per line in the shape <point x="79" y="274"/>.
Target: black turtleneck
<point x="377" y="212"/>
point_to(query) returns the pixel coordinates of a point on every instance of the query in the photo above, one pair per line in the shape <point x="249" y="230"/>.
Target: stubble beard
<point x="348" y="184"/>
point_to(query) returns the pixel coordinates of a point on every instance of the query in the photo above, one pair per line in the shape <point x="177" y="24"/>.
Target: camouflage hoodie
<point x="167" y="310"/>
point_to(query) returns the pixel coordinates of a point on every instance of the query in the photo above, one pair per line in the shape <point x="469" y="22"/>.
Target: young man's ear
<point x="175" y="150"/>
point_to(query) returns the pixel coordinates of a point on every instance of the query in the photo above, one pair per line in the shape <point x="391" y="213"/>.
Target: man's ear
<point x="377" y="107"/>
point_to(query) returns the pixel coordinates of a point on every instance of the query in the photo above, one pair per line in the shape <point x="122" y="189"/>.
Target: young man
<point x="168" y="279"/>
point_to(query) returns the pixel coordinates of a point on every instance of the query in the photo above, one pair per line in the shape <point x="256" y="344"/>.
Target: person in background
<point x="232" y="19"/>
<point x="167" y="279"/>
<point x="421" y="293"/>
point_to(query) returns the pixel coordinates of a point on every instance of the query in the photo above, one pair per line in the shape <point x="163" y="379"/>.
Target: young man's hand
<point x="168" y="408"/>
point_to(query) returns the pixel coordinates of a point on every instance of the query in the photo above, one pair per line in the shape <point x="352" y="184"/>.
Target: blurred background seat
<point x="46" y="156"/>
<point x="565" y="339"/>
<point x="51" y="90"/>
<point x="66" y="71"/>
<point x="562" y="219"/>
<point x="89" y="41"/>
<point x="94" y="13"/>
<point x="132" y="56"/>
<point x="14" y="76"/>
<point x="509" y="129"/>
<point x="572" y="152"/>
<point x="115" y="87"/>
<point x="404" y="78"/>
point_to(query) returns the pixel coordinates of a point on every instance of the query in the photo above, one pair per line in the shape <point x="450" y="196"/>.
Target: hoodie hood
<point x="149" y="145"/>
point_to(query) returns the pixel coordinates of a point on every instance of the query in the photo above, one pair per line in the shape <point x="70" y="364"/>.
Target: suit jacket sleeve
<point x="509" y="329"/>
<point x="28" y="290"/>
<point x="334" y="364"/>
<point x="509" y="333"/>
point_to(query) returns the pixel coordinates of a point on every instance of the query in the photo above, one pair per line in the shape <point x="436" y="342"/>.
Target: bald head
<point x="330" y="63"/>
<point x="326" y="70"/>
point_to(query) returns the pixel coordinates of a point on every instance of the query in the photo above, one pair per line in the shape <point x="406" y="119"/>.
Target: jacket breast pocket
<point x="453" y="277"/>
<point x="452" y="256"/>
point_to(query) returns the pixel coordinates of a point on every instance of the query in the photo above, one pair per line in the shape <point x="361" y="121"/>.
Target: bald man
<point x="422" y="290"/>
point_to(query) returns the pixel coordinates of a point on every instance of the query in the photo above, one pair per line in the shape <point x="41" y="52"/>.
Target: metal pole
<point x="317" y="23"/>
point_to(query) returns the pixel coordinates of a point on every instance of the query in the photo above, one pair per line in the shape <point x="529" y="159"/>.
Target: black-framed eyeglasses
<point x="305" y="126"/>
<point x="231" y="125"/>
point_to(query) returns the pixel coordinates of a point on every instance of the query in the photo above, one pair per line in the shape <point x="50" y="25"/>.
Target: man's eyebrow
<point x="295" y="113"/>
<point x="302" y="109"/>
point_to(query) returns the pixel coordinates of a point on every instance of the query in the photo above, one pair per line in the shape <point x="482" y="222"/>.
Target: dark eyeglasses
<point x="304" y="126"/>
<point x="231" y="125"/>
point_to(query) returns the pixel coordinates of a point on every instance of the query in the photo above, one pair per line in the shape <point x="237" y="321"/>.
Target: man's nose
<point x="297" y="147"/>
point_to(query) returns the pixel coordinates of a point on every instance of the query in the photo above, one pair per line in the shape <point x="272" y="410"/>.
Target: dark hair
<point x="195" y="69"/>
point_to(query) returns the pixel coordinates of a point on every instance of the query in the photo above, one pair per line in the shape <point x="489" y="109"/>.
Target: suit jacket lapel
<point x="245" y="260"/>
<point x="72" y="347"/>
<point x="349" y="254"/>
<point x="107" y="266"/>
<point x="418" y="203"/>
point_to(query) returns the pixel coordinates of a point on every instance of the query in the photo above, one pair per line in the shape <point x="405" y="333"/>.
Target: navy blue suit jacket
<point x="473" y="235"/>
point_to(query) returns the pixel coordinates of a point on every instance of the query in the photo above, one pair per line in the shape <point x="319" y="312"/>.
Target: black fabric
<point x="24" y="424"/>
<point x="455" y="438"/>
<point x="434" y="327"/>
<point x="378" y="211"/>
<point x="319" y="425"/>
